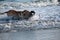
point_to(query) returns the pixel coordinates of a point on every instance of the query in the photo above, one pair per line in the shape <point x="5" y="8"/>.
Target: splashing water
<point x="45" y="17"/>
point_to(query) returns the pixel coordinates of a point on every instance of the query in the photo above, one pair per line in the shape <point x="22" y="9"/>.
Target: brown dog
<point x="20" y="14"/>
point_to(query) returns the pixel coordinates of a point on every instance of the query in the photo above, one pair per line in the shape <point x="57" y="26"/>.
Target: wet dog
<point x="20" y="14"/>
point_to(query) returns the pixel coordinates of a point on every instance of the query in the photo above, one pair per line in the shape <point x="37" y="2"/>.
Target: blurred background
<point x="32" y="0"/>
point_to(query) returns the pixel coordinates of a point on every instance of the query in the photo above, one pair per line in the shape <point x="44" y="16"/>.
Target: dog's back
<point x="11" y="13"/>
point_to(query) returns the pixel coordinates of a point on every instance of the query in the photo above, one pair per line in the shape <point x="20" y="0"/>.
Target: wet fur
<point x="20" y="14"/>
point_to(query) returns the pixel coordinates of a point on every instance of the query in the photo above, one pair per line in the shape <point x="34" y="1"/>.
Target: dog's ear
<point x="32" y="12"/>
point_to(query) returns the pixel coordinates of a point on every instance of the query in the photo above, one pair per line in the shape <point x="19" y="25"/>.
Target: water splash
<point x="46" y="17"/>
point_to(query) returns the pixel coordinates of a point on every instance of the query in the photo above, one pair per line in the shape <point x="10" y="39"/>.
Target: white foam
<point x="35" y="17"/>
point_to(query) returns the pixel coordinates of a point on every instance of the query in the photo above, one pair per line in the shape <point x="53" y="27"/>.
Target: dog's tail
<point x="3" y="13"/>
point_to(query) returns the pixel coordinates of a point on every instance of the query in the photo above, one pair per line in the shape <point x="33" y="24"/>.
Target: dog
<point x="20" y="14"/>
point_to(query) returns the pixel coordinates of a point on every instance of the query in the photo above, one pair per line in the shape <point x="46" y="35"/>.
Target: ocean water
<point x="44" y="25"/>
<point x="46" y="16"/>
<point x="16" y="0"/>
<point x="53" y="34"/>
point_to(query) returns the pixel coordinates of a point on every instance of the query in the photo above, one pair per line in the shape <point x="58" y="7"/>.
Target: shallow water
<point x="53" y="34"/>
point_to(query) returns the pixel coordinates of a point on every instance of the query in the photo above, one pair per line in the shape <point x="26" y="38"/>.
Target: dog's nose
<point x="33" y="12"/>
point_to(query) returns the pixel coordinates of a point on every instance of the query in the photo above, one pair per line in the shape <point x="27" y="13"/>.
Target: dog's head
<point x="32" y="13"/>
<point x="27" y="14"/>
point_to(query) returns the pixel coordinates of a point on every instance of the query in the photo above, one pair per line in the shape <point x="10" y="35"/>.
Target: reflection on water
<point x="32" y="35"/>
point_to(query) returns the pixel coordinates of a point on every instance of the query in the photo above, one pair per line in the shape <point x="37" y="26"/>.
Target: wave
<point x="28" y="25"/>
<point x="25" y="4"/>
